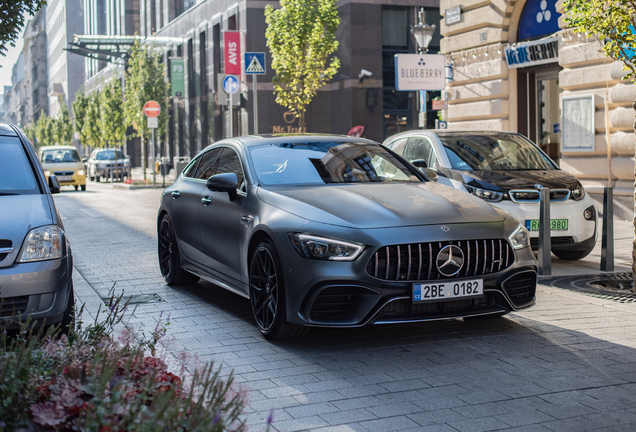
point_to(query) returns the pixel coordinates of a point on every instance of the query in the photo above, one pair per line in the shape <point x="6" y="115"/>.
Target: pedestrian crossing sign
<point x="255" y="63"/>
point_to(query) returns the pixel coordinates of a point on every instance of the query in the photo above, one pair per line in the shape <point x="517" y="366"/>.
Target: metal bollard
<point x="607" y="242"/>
<point x="545" y="243"/>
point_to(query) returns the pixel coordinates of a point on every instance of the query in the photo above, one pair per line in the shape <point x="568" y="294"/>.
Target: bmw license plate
<point x="555" y="224"/>
<point x="447" y="290"/>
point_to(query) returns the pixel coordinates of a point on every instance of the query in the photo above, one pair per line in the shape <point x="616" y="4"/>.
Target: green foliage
<point x="609" y="21"/>
<point x="12" y="14"/>
<point x="91" y="130"/>
<point x="62" y="126"/>
<point x="301" y="37"/>
<point x="44" y="130"/>
<point x="29" y="131"/>
<point x="80" y="106"/>
<point x="111" y="120"/>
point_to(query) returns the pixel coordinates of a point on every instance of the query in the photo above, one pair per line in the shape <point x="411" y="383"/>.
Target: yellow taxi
<point x="65" y="163"/>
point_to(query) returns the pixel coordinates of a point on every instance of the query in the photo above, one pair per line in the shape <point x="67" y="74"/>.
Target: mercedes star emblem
<point x="450" y="260"/>
<point x="445" y="228"/>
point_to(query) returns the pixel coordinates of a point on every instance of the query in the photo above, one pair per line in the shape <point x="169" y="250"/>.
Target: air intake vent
<point x="417" y="261"/>
<point x="10" y="305"/>
<point x="521" y="288"/>
<point x="333" y="302"/>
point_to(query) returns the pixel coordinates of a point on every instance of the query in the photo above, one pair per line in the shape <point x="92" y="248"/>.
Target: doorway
<point x="539" y="110"/>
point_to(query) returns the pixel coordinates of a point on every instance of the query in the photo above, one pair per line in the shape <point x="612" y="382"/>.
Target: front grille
<point x="11" y="305"/>
<point x="4" y="244"/>
<point x="417" y="261"/>
<point x="521" y="288"/>
<point x="534" y="242"/>
<point x="406" y="309"/>
<point x="333" y="302"/>
<point x="63" y="173"/>
<point x="534" y="195"/>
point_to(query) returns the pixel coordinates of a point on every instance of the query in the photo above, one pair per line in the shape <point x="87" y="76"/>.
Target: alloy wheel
<point x="165" y="248"/>
<point x="264" y="288"/>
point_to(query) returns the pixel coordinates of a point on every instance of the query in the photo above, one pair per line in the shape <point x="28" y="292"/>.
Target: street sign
<point x="177" y="77"/>
<point x="420" y="72"/>
<point x="230" y="84"/>
<point x="232" y="52"/>
<point x="439" y="105"/>
<point x="441" y="124"/>
<point x="255" y="63"/>
<point x="152" y="109"/>
<point x="153" y="122"/>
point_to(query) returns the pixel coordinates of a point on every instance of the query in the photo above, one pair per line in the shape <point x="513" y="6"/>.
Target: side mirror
<point x="54" y="184"/>
<point x="84" y="160"/>
<point x="227" y="182"/>
<point x="430" y="173"/>
<point x="420" y="163"/>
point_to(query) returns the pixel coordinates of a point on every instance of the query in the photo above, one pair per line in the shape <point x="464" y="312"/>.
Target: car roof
<point x="6" y="130"/>
<point x="444" y="132"/>
<point x="58" y="147"/>
<point x="254" y="140"/>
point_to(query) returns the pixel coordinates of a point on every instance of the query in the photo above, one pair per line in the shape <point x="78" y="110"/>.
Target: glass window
<point x="16" y="174"/>
<point x="327" y="162"/>
<point x="493" y="152"/>
<point x="395" y="28"/>
<point x="229" y="163"/>
<point x="108" y="155"/>
<point x="59" y="156"/>
<point x="207" y="166"/>
<point x="421" y="148"/>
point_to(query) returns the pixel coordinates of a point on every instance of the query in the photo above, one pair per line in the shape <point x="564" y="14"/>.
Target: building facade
<point x="36" y="67"/>
<point x="64" y="18"/>
<point x="15" y="96"/>
<point x="370" y="34"/>
<point x="516" y="66"/>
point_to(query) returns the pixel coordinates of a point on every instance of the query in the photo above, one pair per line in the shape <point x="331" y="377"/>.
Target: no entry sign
<point x="152" y="109"/>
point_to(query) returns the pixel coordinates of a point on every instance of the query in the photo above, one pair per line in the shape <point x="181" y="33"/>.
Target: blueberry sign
<point x="230" y="84"/>
<point x="533" y="53"/>
<point x="539" y="18"/>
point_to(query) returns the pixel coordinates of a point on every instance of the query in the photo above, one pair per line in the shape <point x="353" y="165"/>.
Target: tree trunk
<point x="301" y="121"/>
<point x="143" y="156"/>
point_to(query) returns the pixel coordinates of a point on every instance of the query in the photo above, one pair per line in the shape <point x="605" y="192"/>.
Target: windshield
<point x="108" y="155"/>
<point x="16" y="175"/>
<point x="60" y="156"/>
<point x="327" y="162"/>
<point x="493" y="152"/>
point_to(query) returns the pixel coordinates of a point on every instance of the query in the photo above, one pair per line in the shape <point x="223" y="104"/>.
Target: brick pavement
<point x="567" y="364"/>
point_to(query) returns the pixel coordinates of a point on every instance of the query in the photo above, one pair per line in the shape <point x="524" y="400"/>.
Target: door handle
<point x="206" y="200"/>
<point x="175" y="194"/>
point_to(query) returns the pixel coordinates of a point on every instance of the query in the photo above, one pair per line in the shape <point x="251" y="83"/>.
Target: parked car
<point x="65" y="163"/>
<point x="507" y="170"/>
<point x="36" y="263"/>
<point x="337" y="231"/>
<point x="103" y="161"/>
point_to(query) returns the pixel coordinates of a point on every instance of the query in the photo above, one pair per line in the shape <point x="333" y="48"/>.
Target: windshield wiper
<point x="8" y="193"/>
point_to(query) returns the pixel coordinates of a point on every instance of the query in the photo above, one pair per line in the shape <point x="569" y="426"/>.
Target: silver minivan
<point x="36" y="263"/>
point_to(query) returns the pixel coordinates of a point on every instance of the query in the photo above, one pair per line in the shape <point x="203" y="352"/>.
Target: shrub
<point x="86" y="379"/>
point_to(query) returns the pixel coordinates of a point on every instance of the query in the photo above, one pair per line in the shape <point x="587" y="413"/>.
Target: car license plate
<point x="555" y="224"/>
<point x="64" y="178"/>
<point x="447" y="290"/>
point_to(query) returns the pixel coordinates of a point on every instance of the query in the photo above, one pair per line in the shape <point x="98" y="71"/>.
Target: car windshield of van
<point x="493" y="152"/>
<point x="108" y="155"/>
<point x="60" y="156"/>
<point x="328" y="162"/>
<point x="16" y="174"/>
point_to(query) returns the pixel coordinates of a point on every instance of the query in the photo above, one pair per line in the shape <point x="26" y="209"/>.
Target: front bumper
<point x="343" y="294"/>
<point x="39" y="289"/>
<point x="117" y="172"/>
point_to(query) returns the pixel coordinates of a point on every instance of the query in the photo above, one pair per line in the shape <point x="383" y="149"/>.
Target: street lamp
<point x="422" y="32"/>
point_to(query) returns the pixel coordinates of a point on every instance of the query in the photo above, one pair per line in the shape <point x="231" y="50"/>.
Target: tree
<point x="301" y="36"/>
<point x="145" y="81"/>
<point x="90" y="129"/>
<point x="63" y="128"/>
<point x="12" y="14"/>
<point x="29" y="131"/>
<point x="44" y="130"/>
<point x="80" y="106"/>
<point x="613" y="22"/>
<point x="111" y="119"/>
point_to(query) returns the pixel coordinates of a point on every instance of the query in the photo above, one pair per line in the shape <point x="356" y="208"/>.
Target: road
<point x="567" y="364"/>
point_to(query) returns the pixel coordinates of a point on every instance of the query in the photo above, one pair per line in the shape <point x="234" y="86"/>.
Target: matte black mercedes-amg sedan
<point x="326" y="230"/>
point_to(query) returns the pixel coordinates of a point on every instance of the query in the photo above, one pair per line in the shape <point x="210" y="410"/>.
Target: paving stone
<point x="347" y="417"/>
<point x="388" y="424"/>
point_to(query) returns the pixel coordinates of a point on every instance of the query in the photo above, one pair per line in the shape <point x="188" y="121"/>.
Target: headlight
<point x="324" y="248"/>
<point x="43" y="243"/>
<point x="485" y="194"/>
<point x="47" y="173"/>
<point x="520" y="238"/>
<point x="80" y="172"/>
<point x="578" y="193"/>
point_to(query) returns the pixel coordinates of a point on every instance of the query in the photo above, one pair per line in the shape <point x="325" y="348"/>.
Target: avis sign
<point x="232" y="57"/>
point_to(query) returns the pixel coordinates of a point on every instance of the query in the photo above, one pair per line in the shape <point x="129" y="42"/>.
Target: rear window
<point x="16" y="174"/>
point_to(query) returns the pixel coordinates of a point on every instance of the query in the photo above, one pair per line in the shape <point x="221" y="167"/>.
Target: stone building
<point x="35" y="67"/>
<point x="516" y="66"/>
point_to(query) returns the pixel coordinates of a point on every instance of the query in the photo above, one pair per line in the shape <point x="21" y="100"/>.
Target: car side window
<point x="207" y="166"/>
<point x="421" y="148"/>
<point x="229" y="162"/>
<point x="398" y="146"/>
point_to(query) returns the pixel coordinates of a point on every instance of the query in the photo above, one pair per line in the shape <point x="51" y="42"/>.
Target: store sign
<point x="533" y="53"/>
<point x="232" y="53"/>
<point x="420" y="72"/>
<point x="453" y="15"/>
<point x="439" y="105"/>
<point x="177" y="77"/>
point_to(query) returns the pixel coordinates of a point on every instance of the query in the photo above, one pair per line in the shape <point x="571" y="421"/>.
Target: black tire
<point x="98" y="178"/>
<point x="76" y="188"/>
<point x="574" y="255"/>
<point x="169" y="260"/>
<point x="267" y="294"/>
<point x="83" y="188"/>
<point x="91" y="178"/>
<point x="69" y="312"/>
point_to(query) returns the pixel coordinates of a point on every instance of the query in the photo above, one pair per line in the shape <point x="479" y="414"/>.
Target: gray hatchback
<point x="36" y="263"/>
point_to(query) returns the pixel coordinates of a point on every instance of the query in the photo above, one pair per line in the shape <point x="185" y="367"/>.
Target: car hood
<point x="19" y="214"/>
<point x="375" y="205"/>
<point x="503" y="181"/>
<point x="62" y="166"/>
